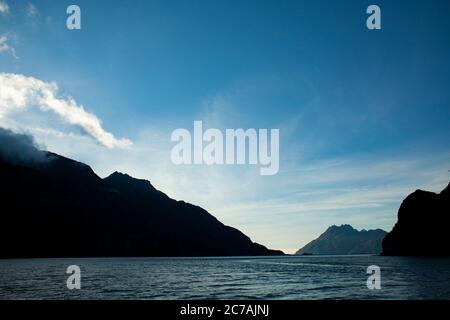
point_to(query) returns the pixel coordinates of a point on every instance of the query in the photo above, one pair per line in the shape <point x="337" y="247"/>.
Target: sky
<point x="363" y="114"/>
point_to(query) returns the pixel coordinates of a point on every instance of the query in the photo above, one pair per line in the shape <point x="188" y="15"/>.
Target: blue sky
<point x="363" y="115"/>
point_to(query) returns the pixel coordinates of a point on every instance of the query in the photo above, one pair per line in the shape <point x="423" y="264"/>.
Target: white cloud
<point x="4" y="8"/>
<point x="18" y="93"/>
<point x="6" y="47"/>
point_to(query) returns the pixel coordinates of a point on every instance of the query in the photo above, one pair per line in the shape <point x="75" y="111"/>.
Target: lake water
<point x="302" y="277"/>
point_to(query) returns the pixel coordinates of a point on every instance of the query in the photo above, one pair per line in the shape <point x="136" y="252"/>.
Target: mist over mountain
<point x="345" y="239"/>
<point x="20" y="148"/>
<point x="422" y="226"/>
<point x="52" y="206"/>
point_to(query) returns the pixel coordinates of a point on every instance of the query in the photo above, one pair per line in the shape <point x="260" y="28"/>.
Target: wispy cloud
<point x="18" y="93"/>
<point x="6" y="47"/>
<point x="31" y="10"/>
<point x="4" y="8"/>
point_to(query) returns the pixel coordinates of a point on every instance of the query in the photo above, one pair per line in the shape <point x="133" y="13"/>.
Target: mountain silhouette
<point x="53" y="206"/>
<point x="422" y="226"/>
<point x="345" y="240"/>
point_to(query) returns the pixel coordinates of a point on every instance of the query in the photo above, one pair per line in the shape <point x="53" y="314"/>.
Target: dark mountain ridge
<point x="58" y="207"/>
<point x="422" y="226"/>
<point x="345" y="239"/>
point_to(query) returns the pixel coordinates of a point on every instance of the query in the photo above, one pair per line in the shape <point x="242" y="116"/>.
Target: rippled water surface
<point x="302" y="277"/>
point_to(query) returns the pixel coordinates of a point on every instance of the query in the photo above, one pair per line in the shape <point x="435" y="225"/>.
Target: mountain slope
<point x="422" y="225"/>
<point x="345" y="240"/>
<point x="57" y="207"/>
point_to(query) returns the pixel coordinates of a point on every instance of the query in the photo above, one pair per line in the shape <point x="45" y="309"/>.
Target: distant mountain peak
<point x="122" y="176"/>
<point x="125" y="182"/>
<point x="345" y="239"/>
<point x="341" y="227"/>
